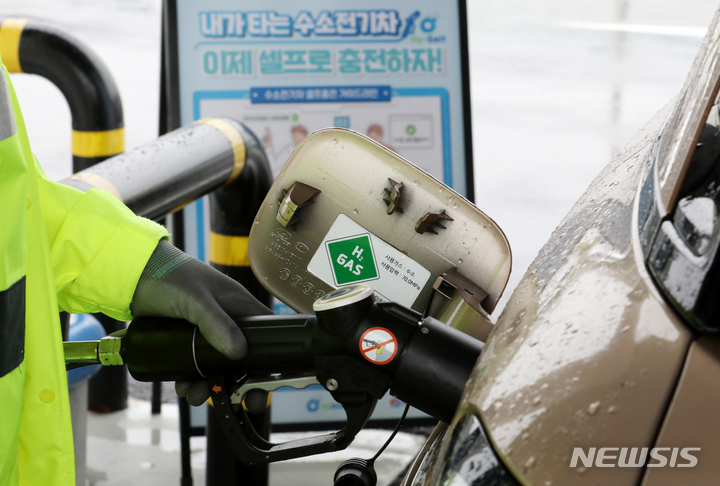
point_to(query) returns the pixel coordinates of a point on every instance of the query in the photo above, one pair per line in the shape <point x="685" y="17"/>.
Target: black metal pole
<point x="232" y="212"/>
<point x="156" y="403"/>
<point x="170" y="120"/>
<point x="185" y="465"/>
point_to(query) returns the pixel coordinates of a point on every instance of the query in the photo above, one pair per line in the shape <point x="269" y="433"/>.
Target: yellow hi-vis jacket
<point x="60" y="249"/>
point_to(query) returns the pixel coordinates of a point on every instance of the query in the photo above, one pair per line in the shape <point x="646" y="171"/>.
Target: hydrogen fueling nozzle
<point x="355" y="348"/>
<point x="343" y="210"/>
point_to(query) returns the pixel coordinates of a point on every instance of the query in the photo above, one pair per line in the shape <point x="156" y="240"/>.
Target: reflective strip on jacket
<point x="61" y="249"/>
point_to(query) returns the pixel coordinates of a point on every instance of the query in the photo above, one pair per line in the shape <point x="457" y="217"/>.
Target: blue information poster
<point x="392" y="70"/>
<point x="389" y="70"/>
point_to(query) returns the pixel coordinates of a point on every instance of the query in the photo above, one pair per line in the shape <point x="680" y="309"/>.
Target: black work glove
<point x="174" y="284"/>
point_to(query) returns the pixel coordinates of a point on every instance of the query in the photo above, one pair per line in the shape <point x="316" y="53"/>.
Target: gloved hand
<point x="173" y="284"/>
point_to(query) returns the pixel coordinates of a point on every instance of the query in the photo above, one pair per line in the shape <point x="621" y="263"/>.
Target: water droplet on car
<point x="355" y="211"/>
<point x="593" y="407"/>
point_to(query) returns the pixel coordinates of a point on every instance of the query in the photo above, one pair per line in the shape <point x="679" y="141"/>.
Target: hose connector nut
<point x="109" y="349"/>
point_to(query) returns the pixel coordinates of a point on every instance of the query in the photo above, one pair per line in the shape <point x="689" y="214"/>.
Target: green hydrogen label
<point x="350" y="253"/>
<point x="352" y="259"/>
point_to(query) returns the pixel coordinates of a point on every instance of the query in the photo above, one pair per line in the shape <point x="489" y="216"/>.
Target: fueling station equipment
<point x="355" y="348"/>
<point x="417" y="241"/>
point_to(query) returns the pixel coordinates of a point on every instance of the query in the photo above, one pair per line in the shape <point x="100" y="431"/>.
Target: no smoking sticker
<point x="378" y="345"/>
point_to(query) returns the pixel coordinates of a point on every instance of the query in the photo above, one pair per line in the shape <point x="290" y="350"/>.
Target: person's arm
<point x="106" y="259"/>
<point x="98" y="248"/>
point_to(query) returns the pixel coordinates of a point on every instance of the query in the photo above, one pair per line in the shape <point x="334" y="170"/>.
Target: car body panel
<point x="692" y="419"/>
<point x="587" y="353"/>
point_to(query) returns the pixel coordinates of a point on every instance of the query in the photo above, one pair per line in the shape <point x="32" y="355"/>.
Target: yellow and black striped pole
<point x="95" y="106"/>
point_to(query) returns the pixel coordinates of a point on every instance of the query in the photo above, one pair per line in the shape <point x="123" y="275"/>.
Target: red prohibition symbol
<point x="378" y="345"/>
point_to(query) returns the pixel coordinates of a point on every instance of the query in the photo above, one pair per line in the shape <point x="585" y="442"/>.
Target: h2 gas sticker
<point x="378" y="345"/>
<point x="350" y="254"/>
<point x="352" y="259"/>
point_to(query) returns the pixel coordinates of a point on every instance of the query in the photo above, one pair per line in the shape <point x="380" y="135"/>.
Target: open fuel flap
<point x="346" y="210"/>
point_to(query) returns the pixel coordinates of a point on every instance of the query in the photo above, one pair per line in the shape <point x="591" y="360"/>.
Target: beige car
<point x="604" y="368"/>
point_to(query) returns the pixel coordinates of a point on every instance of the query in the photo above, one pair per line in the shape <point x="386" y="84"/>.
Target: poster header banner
<point x="383" y="24"/>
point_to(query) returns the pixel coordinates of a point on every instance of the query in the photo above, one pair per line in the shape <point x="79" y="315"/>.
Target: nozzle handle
<point x="165" y="349"/>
